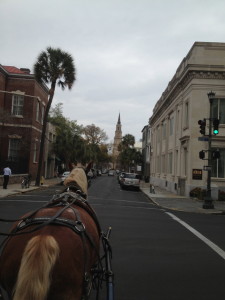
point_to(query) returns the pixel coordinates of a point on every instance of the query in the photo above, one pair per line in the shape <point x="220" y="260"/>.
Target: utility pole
<point x="212" y="154"/>
<point x="208" y="198"/>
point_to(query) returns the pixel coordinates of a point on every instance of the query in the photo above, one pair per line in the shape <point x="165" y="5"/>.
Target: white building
<point x="146" y="148"/>
<point x="175" y="164"/>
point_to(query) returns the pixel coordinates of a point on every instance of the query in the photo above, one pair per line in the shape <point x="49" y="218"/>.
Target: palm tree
<point x="53" y="66"/>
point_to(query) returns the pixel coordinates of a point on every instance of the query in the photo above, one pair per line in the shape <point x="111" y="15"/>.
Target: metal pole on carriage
<point x="109" y="272"/>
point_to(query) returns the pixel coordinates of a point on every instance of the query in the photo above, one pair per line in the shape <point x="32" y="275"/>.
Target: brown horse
<point x="54" y="258"/>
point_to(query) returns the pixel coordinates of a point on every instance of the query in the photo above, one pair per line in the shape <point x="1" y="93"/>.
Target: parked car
<point x="130" y="180"/>
<point x="64" y="176"/>
<point x="120" y="176"/>
<point x="111" y="173"/>
<point x="99" y="173"/>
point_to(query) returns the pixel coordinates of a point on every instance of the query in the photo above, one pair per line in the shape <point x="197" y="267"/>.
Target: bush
<point x="221" y="196"/>
<point x="198" y="193"/>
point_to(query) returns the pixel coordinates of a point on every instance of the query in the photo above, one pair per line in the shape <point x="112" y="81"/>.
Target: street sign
<point x="203" y="138"/>
<point x="207" y="168"/>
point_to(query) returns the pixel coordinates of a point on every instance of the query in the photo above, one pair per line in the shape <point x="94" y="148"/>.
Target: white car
<point x="64" y="176"/>
<point x="111" y="173"/>
<point x="130" y="180"/>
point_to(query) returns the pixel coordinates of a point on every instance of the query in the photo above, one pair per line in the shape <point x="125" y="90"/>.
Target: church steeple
<point x="118" y="132"/>
<point x="117" y="138"/>
<point x="119" y="119"/>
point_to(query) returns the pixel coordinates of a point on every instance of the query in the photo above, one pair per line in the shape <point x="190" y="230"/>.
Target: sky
<point x="125" y="51"/>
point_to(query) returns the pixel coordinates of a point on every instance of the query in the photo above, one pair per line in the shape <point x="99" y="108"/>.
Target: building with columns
<point x="175" y="138"/>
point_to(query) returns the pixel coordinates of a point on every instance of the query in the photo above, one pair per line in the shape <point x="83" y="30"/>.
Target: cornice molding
<point x="176" y="86"/>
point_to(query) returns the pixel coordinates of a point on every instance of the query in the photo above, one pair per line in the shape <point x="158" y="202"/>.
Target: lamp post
<point x="208" y="199"/>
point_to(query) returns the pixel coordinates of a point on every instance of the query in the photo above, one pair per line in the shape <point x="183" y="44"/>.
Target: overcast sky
<point x="125" y="51"/>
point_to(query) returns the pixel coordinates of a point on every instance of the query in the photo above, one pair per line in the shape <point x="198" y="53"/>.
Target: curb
<point x="25" y="190"/>
<point x="218" y="212"/>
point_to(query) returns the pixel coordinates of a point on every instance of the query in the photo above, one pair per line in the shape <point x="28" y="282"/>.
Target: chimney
<point x="25" y="70"/>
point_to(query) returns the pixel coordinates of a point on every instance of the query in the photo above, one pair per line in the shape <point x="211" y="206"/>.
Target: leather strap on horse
<point x="66" y="200"/>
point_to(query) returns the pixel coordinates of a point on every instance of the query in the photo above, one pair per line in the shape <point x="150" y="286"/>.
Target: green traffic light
<point x="215" y="131"/>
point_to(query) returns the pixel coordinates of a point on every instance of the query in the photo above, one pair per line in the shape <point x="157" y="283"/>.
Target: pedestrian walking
<point x="6" y="172"/>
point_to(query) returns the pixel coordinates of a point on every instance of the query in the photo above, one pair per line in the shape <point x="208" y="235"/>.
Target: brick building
<point x="22" y="104"/>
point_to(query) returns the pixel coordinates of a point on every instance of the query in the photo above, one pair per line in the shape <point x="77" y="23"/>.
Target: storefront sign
<point x="197" y="174"/>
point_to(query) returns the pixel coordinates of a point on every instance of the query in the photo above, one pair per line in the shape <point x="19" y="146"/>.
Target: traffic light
<point x="202" y="124"/>
<point x="202" y="154"/>
<point x="216" y="154"/>
<point x="216" y="123"/>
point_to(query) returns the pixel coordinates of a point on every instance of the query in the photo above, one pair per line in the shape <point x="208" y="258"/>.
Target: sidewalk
<point x="15" y="188"/>
<point x="172" y="201"/>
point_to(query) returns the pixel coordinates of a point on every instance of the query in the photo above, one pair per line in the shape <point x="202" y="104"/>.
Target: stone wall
<point x="13" y="179"/>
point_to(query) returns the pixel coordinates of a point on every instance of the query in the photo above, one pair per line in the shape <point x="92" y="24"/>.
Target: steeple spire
<point x="117" y="141"/>
<point x="119" y="119"/>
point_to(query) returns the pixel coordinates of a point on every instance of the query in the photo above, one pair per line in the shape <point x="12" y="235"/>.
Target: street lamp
<point x="211" y="95"/>
<point x="208" y="199"/>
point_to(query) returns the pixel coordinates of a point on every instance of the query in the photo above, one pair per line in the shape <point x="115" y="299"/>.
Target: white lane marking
<point x="213" y="246"/>
<point x="128" y="206"/>
<point x="121" y="200"/>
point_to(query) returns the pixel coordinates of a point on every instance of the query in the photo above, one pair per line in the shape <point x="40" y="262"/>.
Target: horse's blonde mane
<point x="79" y="178"/>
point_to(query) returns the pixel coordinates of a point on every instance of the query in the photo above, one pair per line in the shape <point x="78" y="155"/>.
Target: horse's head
<point x="78" y="178"/>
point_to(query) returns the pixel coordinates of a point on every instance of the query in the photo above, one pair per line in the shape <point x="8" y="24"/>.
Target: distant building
<point x="175" y="137"/>
<point x="22" y="104"/>
<point x="117" y="141"/>
<point x="138" y="146"/>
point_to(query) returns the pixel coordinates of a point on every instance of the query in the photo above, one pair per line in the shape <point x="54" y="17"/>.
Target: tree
<point x="94" y="134"/>
<point x="128" y="154"/>
<point x="69" y="144"/>
<point x="53" y="66"/>
<point x="128" y="141"/>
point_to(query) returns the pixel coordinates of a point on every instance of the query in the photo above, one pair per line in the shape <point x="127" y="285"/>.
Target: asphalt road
<point x="157" y="254"/>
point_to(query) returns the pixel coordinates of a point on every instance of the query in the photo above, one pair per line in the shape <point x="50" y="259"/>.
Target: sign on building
<point x="197" y="174"/>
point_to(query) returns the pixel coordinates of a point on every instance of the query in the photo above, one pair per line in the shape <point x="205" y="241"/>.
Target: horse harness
<point x="66" y="200"/>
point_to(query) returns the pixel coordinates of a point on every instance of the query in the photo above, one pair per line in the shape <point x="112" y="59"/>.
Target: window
<point x="176" y="163"/>
<point x="164" y="130"/>
<point x="147" y="157"/>
<point x="171" y="126"/>
<point x="17" y="105"/>
<point x="186" y="115"/>
<point x="185" y="161"/>
<point x="14" y="149"/>
<point x="218" y="109"/>
<point x="163" y="164"/>
<point x="218" y="165"/>
<point x="170" y="163"/>
<point x="42" y="114"/>
<point x="158" y="163"/>
<point x="158" y="134"/>
<point x="38" y="111"/>
<point x="35" y="152"/>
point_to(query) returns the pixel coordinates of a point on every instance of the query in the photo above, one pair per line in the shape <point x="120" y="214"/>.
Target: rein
<point x="67" y="200"/>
